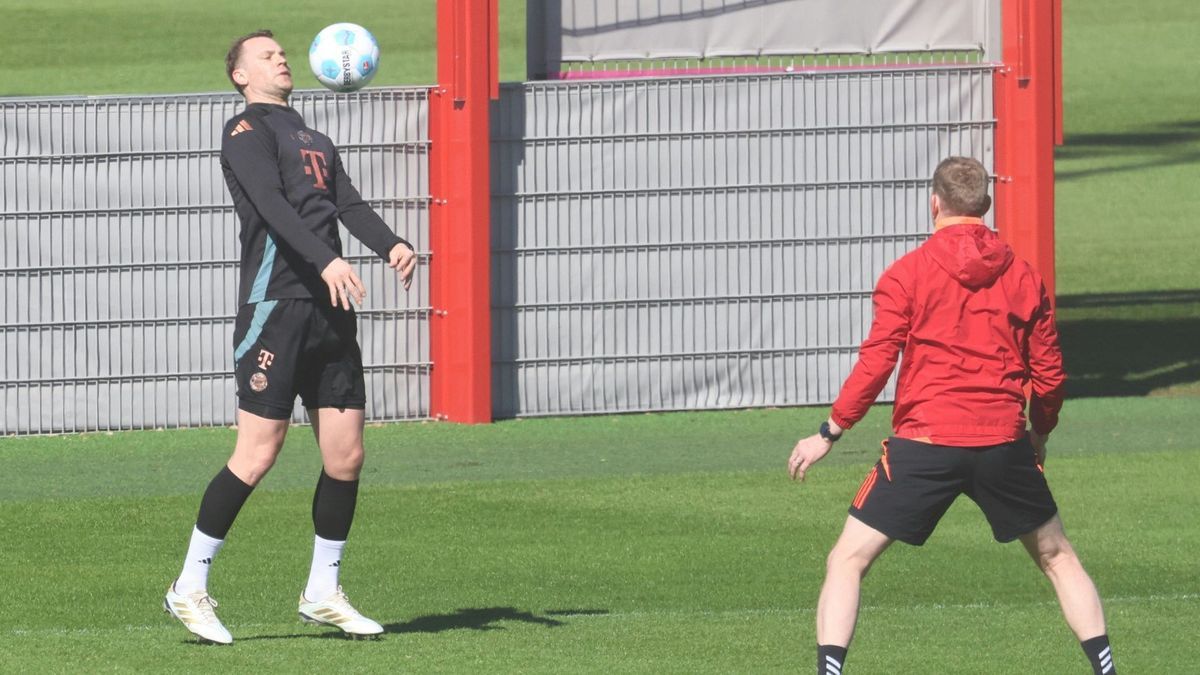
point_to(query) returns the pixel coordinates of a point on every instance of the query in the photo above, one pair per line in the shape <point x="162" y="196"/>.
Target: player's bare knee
<point x="252" y="465"/>
<point x="344" y="463"/>
<point x="342" y="473"/>
<point x="253" y="458"/>
<point x="845" y="560"/>
<point x="1057" y="558"/>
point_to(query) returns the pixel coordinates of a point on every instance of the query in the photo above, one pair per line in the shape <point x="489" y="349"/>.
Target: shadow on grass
<point x="331" y="634"/>
<point x="1117" y="344"/>
<point x="481" y="619"/>
<point x="478" y="619"/>
<point x="1172" y="144"/>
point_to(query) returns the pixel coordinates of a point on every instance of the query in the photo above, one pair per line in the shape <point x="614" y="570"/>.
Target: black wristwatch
<point x="827" y="434"/>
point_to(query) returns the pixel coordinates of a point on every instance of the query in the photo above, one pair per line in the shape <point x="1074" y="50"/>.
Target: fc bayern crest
<point x="258" y="382"/>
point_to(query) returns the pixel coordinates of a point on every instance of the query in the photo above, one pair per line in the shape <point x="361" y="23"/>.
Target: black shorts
<point x="911" y="486"/>
<point x="287" y="347"/>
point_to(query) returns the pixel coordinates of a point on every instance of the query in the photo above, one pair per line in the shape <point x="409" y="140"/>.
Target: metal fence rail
<point x="709" y="242"/>
<point x="119" y="254"/>
<point x="759" y="64"/>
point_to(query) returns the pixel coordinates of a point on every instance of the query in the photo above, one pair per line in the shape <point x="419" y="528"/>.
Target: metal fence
<point x="709" y="242"/>
<point x="658" y="244"/>
<point x="119" y="255"/>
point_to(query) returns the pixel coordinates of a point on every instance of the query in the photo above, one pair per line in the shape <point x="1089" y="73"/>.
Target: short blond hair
<point x="962" y="185"/>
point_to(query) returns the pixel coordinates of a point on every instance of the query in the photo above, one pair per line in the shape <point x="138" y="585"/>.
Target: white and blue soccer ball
<point x="344" y="57"/>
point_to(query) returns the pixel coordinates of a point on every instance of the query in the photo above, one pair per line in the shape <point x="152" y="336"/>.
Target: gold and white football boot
<point x="196" y="612"/>
<point x="337" y="611"/>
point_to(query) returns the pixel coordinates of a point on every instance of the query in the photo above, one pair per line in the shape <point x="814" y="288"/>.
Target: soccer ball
<point x="344" y="57"/>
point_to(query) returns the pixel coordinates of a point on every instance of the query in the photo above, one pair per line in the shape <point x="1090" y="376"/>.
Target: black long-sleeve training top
<point x="289" y="189"/>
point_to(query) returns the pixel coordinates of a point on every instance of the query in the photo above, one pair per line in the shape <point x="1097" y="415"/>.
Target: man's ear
<point x="935" y="205"/>
<point x="240" y="77"/>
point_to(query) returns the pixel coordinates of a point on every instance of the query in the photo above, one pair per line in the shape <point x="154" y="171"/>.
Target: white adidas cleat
<point x="337" y="611"/>
<point x="196" y="612"/>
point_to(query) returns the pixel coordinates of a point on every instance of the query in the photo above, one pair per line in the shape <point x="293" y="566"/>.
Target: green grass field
<point x="167" y="46"/>
<point x="643" y="543"/>
<point x="1126" y="235"/>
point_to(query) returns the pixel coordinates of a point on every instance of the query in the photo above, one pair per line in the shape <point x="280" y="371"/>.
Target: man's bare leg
<point x="259" y="440"/>
<point x="1052" y="551"/>
<point x="339" y="432"/>
<point x="837" y="609"/>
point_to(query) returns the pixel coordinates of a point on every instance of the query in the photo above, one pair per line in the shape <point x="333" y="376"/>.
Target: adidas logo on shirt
<point x="241" y="126"/>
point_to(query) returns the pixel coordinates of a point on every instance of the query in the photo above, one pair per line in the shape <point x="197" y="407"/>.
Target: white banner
<point x="590" y="30"/>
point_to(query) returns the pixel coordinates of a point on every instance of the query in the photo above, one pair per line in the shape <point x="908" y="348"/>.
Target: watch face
<point x="827" y="434"/>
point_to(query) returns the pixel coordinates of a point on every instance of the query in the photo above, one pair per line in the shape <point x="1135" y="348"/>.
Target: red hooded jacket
<point x="976" y="327"/>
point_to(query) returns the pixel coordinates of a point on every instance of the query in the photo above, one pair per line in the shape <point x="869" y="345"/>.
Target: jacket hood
<point x="970" y="253"/>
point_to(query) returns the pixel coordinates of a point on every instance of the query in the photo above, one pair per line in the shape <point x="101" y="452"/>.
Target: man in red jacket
<point x="976" y="327"/>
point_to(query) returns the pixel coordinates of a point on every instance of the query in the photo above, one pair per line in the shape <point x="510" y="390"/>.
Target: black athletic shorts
<point x="287" y="347"/>
<point x="911" y="486"/>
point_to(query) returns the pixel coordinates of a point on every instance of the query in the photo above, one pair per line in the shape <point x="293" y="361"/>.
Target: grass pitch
<point x="643" y="543"/>
<point x="647" y="543"/>
<point x="166" y="46"/>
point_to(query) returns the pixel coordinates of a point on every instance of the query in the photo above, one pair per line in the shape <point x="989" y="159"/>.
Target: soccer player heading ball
<point x="976" y="326"/>
<point x="295" y="334"/>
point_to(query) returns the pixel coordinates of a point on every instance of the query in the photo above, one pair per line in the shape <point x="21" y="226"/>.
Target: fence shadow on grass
<point x="1130" y="344"/>
<point x="1172" y="144"/>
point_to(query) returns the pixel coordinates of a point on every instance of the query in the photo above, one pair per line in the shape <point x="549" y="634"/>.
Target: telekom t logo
<point x="314" y="165"/>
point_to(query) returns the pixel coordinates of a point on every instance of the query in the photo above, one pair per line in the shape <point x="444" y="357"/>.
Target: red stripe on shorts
<point x="865" y="489"/>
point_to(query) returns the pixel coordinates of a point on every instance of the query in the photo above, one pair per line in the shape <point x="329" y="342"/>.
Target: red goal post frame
<point x="460" y="326"/>
<point x="1028" y="103"/>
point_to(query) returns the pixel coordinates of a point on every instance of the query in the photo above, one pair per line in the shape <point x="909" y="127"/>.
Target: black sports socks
<point x="333" y="507"/>
<point x="830" y="659"/>
<point x="1099" y="652"/>
<point x="222" y="500"/>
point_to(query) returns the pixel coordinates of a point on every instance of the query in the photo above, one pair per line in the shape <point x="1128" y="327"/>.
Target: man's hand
<point x="402" y="259"/>
<point x="807" y="452"/>
<point x="1038" y="442"/>
<point x="343" y="284"/>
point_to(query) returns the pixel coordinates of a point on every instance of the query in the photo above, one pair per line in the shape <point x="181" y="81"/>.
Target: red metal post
<point x="1025" y="132"/>
<point x="460" y="219"/>
<point x="1058" y="72"/>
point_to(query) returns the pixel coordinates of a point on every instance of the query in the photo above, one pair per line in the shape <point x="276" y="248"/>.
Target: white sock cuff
<point x="328" y="544"/>
<point x="205" y="540"/>
<point x="196" y="563"/>
<point x="323" y="575"/>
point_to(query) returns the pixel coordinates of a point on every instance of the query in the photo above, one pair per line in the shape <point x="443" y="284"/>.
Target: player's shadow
<point x="481" y="619"/>
<point x="327" y="634"/>
<point x="1130" y="344"/>
<point x="485" y="618"/>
